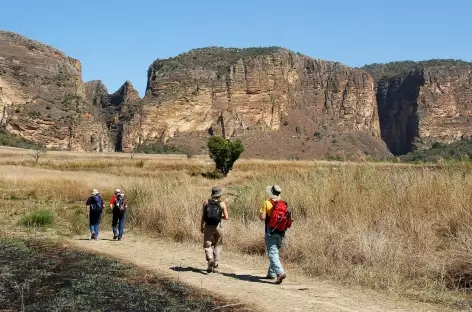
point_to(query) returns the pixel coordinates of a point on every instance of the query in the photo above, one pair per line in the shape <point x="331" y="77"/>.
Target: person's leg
<point x="92" y="221"/>
<point x="272" y="243"/>
<point x="122" y="226"/>
<point x="92" y="230"/>
<point x="217" y="246"/>
<point x="280" y="270"/>
<point x="271" y="273"/>
<point x="114" y="223"/>
<point x="97" y="225"/>
<point x="208" y="246"/>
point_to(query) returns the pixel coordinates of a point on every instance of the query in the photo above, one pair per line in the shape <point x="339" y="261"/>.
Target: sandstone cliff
<point x="262" y="95"/>
<point x="117" y="109"/>
<point x="422" y="103"/>
<point x="42" y="97"/>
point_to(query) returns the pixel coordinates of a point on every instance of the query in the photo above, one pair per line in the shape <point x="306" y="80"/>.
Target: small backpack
<point x="281" y="218"/>
<point x="96" y="204"/>
<point x="120" y="203"/>
<point x="213" y="212"/>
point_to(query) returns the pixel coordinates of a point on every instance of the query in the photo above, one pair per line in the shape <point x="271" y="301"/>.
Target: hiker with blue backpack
<point x="94" y="211"/>
<point x="118" y="206"/>
<point x="277" y="218"/>
<point x="214" y="211"/>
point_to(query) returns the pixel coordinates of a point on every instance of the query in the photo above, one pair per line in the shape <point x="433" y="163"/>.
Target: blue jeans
<point x="94" y="229"/>
<point x="273" y="244"/>
<point x="95" y="223"/>
<point x="118" y="221"/>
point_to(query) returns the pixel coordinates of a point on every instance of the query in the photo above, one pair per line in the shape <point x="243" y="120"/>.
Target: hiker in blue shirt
<point x="94" y="211"/>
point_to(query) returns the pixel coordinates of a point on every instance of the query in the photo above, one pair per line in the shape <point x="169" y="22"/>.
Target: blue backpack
<point x="96" y="204"/>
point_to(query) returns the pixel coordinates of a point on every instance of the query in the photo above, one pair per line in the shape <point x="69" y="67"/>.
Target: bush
<point x="157" y="148"/>
<point x="457" y="151"/>
<point x="224" y="153"/>
<point x="40" y="218"/>
<point x="14" y="140"/>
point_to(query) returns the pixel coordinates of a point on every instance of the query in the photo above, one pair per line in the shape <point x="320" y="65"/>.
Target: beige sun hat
<point x="274" y="191"/>
<point x="95" y="192"/>
<point x="117" y="191"/>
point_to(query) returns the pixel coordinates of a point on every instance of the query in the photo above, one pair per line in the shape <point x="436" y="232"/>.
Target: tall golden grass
<point x="405" y="229"/>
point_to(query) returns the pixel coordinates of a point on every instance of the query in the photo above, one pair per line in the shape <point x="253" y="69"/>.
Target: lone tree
<point x="224" y="153"/>
<point x="38" y="152"/>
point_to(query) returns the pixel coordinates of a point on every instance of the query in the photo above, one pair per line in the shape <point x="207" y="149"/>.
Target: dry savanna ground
<point x="397" y="228"/>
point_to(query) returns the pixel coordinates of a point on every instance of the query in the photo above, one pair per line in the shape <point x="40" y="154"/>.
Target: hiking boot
<point x="280" y="278"/>
<point x="93" y="236"/>
<point x="215" y="267"/>
<point x="211" y="266"/>
<point x="115" y="237"/>
<point x="270" y="277"/>
<point x="119" y="238"/>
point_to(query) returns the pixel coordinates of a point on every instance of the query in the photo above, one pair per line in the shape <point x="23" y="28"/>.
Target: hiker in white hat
<point x="94" y="211"/>
<point x="274" y="236"/>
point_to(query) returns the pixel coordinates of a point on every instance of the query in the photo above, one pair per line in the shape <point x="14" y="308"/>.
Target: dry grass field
<point x="398" y="228"/>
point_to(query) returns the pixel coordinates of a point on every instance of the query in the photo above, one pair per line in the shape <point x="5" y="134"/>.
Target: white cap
<point x="95" y="192"/>
<point x="117" y="191"/>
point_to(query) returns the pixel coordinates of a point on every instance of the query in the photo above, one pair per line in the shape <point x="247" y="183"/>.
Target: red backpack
<point x="281" y="217"/>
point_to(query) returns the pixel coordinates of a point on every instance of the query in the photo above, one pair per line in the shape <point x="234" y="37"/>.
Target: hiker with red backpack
<point x="118" y="206"/>
<point x="274" y="212"/>
<point x="214" y="210"/>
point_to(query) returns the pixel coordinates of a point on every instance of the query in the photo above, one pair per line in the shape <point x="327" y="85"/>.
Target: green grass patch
<point x="40" y="218"/>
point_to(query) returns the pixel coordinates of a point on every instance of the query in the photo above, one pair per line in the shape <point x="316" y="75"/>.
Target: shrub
<point x="157" y="148"/>
<point x="224" y="153"/>
<point x="14" y="140"/>
<point x="457" y="151"/>
<point x="40" y="218"/>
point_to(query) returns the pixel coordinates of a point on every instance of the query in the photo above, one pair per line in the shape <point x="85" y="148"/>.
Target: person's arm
<point x="225" y="210"/>
<point x="202" y="222"/>
<point x="112" y="201"/>
<point x="263" y="212"/>
<point x="87" y="205"/>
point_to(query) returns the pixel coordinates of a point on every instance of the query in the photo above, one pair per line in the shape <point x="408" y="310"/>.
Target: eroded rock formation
<point x="249" y="93"/>
<point x="422" y="103"/>
<point x="42" y="97"/>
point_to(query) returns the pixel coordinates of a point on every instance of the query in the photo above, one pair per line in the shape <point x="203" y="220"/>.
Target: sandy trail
<point x="239" y="278"/>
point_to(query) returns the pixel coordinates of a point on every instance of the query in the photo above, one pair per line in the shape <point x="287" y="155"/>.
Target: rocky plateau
<point x="281" y="104"/>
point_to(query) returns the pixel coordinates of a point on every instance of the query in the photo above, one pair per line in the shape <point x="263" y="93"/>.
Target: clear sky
<point x="117" y="40"/>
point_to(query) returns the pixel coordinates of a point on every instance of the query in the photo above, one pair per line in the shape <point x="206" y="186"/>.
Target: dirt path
<point x="239" y="278"/>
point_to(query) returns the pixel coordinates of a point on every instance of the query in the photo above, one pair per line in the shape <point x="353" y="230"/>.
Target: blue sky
<point x="117" y="40"/>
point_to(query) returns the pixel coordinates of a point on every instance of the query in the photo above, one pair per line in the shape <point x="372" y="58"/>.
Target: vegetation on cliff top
<point x="213" y="58"/>
<point x="392" y="69"/>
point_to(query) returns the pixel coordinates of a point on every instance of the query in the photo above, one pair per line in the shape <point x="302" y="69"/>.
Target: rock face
<point x="42" y="97"/>
<point x="117" y="108"/>
<point x="254" y="94"/>
<point x="422" y="103"/>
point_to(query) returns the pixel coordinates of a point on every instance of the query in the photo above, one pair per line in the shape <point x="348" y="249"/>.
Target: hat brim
<point x="269" y="192"/>
<point x="217" y="195"/>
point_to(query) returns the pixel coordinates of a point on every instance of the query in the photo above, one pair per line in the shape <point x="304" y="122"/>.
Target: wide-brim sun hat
<point x="95" y="192"/>
<point x="273" y="191"/>
<point x="216" y="192"/>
